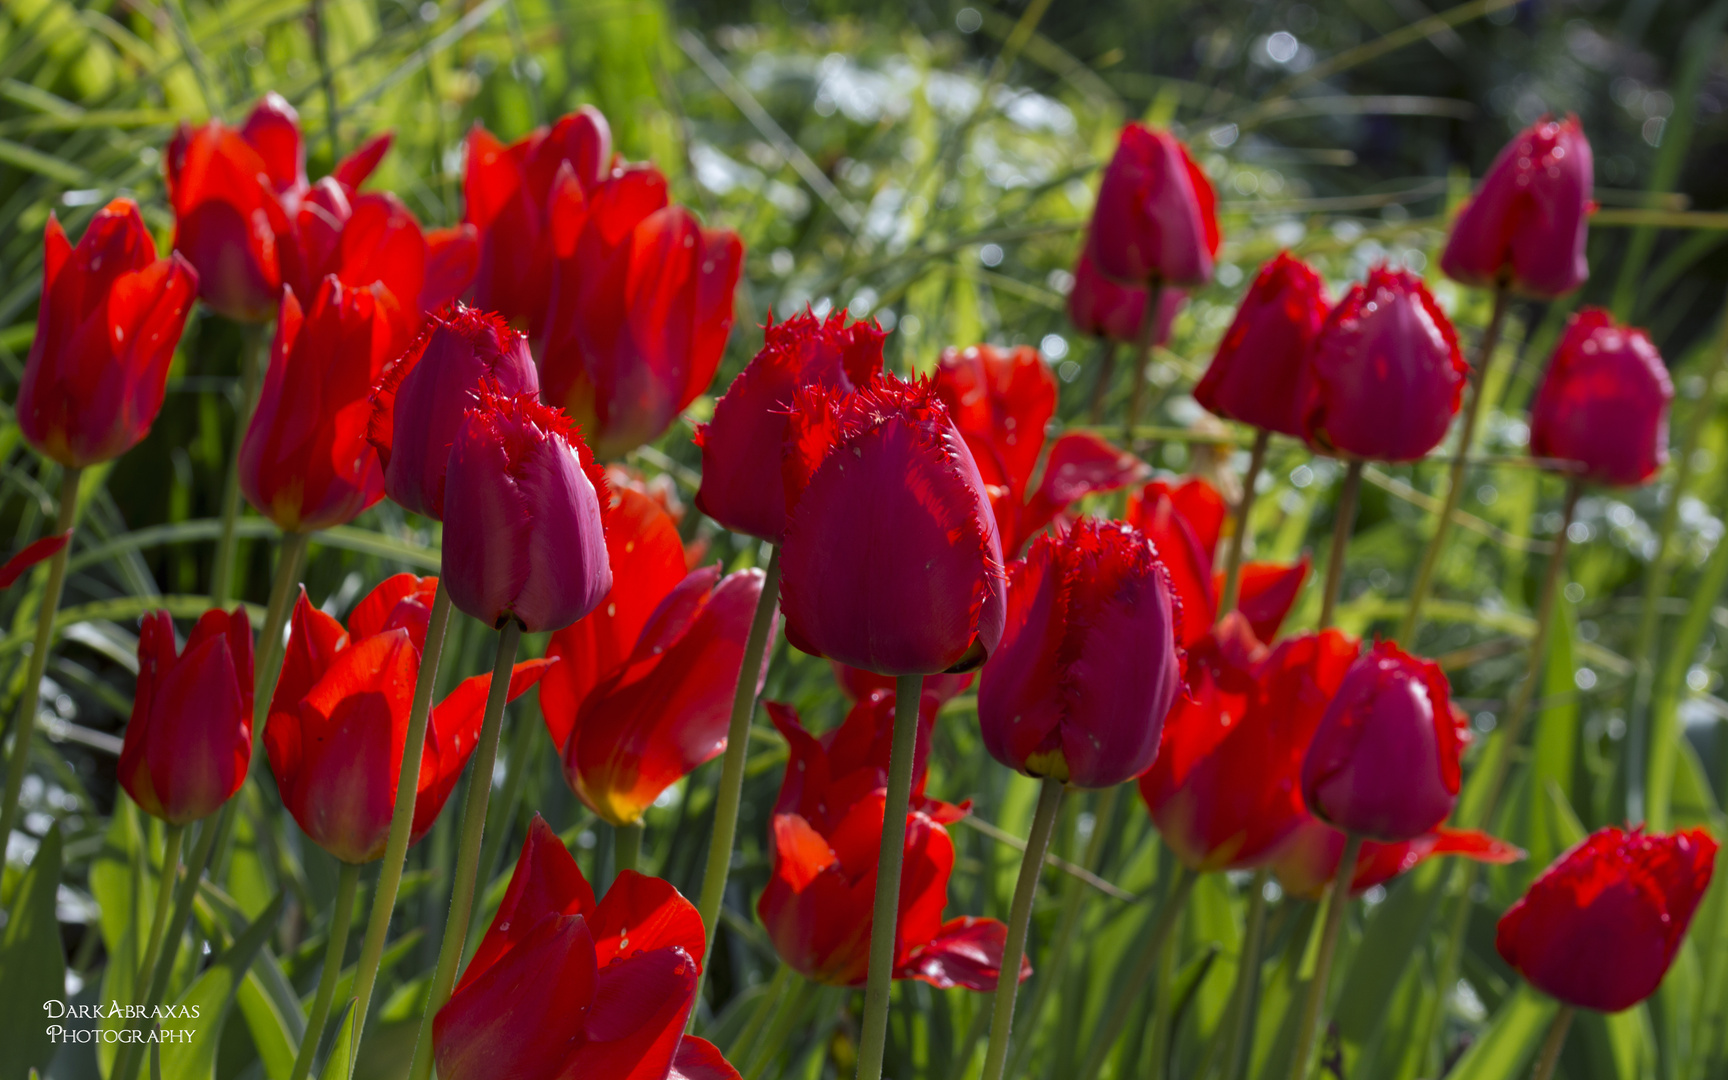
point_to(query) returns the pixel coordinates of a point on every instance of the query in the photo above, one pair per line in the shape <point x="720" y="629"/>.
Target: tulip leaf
<point x="266" y="1022"/>
<point x="32" y="963"/>
<point x="1509" y="1044"/>
<point x="205" y="1005"/>
<point x="1554" y="750"/>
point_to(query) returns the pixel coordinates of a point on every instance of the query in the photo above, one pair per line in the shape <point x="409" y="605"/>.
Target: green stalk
<point x="1239" y="539"/>
<point x="1553" y="1044"/>
<point x="24" y="728"/>
<point x="1315" y="1006"/>
<point x="1247" y="993"/>
<point x="521" y="748"/>
<point x="468" y="850"/>
<point x="886" y="913"/>
<point x="254" y="352"/>
<point x="627" y="847"/>
<point x="340" y="918"/>
<point x="1019" y="922"/>
<point x="157" y="961"/>
<point x="1346" y="520"/>
<point x="164" y="900"/>
<point x="1142" y="357"/>
<point x="1101" y="386"/>
<point x="1455" y="478"/>
<point x="290" y="558"/>
<point x="798" y="1004"/>
<point x="768" y="1006"/>
<point x="1145" y="965"/>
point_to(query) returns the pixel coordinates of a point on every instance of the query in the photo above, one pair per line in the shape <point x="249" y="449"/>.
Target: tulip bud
<point x="1600" y="927"/>
<point x="1256" y="375"/>
<point x="1307" y="862"/>
<point x="190" y="738"/>
<point x="1156" y="218"/>
<point x="1525" y="226"/>
<point x="1098" y="307"/>
<point x="110" y="315"/>
<point x="1384" y="760"/>
<point x="891" y="561"/>
<point x="1385" y="377"/>
<point x="523" y="538"/>
<point x="358" y="238"/>
<point x="1087" y="669"/>
<point x="419" y="403"/>
<point x="1603" y="403"/>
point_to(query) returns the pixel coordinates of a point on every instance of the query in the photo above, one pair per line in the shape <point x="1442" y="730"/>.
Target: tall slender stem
<point x="341" y="916"/>
<point x="908" y="693"/>
<point x="1247" y="992"/>
<point x="1239" y="539"/>
<point x="290" y="558"/>
<point x="164" y="900"/>
<point x="627" y="847"/>
<point x="24" y="727"/>
<point x="468" y="850"/>
<point x="1549" y="1058"/>
<point x="1455" y="476"/>
<point x="254" y="348"/>
<point x="1019" y="922"/>
<point x="1142" y="357"/>
<point x="1307" y="1035"/>
<point x="1106" y="375"/>
<point x="1346" y="521"/>
<point x="1104" y="1039"/>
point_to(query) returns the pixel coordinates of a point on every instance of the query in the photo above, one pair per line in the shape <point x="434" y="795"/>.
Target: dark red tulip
<point x="190" y="737"/>
<point x="859" y="684"/>
<point x="891" y="561"/>
<point x="420" y="402"/>
<point x="562" y="986"/>
<point x="1385" y="377"/>
<point x="30" y="555"/>
<point x="1156" y="217"/>
<point x="1256" y="374"/>
<point x="1224" y="790"/>
<point x="1384" y="760"/>
<point x="743" y="443"/>
<point x="641" y="307"/>
<point x="1599" y="928"/>
<point x="1526" y="224"/>
<point x="1307" y="862"/>
<point x="1099" y="307"/>
<point x="1088" y="667"/>
<point x="339" y="719"/>
<point x="110" y="315"/>
<point x="1603" y="403"/>
<point x="305" y="463"/>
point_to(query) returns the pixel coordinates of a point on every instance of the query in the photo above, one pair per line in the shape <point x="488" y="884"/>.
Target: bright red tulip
<point x="1256" y="374"/>
<point x="1526" y="224"/>
<point x="360" y="239"/>
<point x="1307" y="862"/>
<point x="742" y="445"/>
<point x="421" y="400"/>
<point x="891" y="561"/>
<point x="1087" y="668"/>
<point x="1603" y="403"/>
<point x="1385" y="377"/>
<point x="641" y="307"/>
<point x="110" y="315"/>
<point x="564" y="987"/>
<point x="1098" y="307"/>
<point x="190" y="737"/>
<point x="305" y="462"/>
<point x="1599" y="928"/>
<point x="859" y="684"/>
<point x="1156" y="216"/>
<point x="1384" y="760"/>
<point x="339" y="719"/>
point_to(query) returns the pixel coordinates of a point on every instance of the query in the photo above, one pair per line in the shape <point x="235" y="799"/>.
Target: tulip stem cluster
<point x="1239" y="538"/>
<point x="1549" y="1059"/>
<point x="1019" y="921"/>
<point x="1346" y="521"/>
<point x="1144" y="967"/>
<point x="254" y="356"/>
<point x="341" y="917"/>
<point x="1314" y="1007"/>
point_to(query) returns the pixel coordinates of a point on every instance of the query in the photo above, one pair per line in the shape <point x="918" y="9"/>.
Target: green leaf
<point x="32" y="964"/>
<point x="1510" y="1041"/>
<point x="269" y="1028"/>
<point x="210" y="999"/>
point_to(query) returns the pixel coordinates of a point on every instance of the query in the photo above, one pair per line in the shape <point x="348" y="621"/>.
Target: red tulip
<point x="360" y="239"/>
<point x="1224" y="789"/>
<point x="523" y="537"/>
<point x="452" y="260"/>
<point x="1599" y="928"/>
<point x="1604" y="402"/>
<point x="1307" y="862"/>
<point x="420" y="402"/>
<point x="305" y="462"/>
<point x="339" y="719"/>
<point x="1526" y="224"/>
<point x="190" y="738"/>
<point x="1088" y="666"/>
<point x="564" y="987"/>
<point x="1001" y="402"/>
<point x="110" y="315"/>
<point x="641" y="307"/>
<point x="1384" y="760"/>
<point x="1385" y="377"/>
<point x="1098" y="307"/>
<point x="742" y="445"/>
<point x="891" y="561"/>
<point x="508" y="192"/>
<point x="826" y="832"/>
<point x="1156" y="217"/>
<point x="1256" y="375"/>
<point x="859" y="684"/>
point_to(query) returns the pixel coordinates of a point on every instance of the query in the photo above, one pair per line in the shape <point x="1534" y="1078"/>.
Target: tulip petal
<point x="637" y="1019"/>
<point x="353" y="170"/>
<point x="32" y="553"/>
<point x="1266" y="593"/>
<point x="546" y="882"/>
<point x="699" y="1059"/>
<point x="642" y="914"/>
<point x="966" y="953"/>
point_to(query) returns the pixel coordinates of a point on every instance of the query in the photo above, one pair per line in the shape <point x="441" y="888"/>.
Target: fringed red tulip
<point x="1156" y="217"/>
<point x="1307" y="862"/>
<point x="1256" y="374"/>
<point x="1603" y="404"/>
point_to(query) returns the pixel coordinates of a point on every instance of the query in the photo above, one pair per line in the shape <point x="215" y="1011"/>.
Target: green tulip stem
<point x="164" y="900"/>
<point x="1549" y="1058"/>
<point x="1101" y="385"/>
<point x="627" y="847"/>
<point x="290" y="558"/>
<point x="254" y="358"/>
<point x="1145" y="965"/>
<point x="1247" y="993"/>
<point x="1307" y="1034"/>
<point x="1341" y="527"/>
<point x="1142" y="359"/>
<point x="1019" y="922"/>
<point x="158" y="962"/>
<point x="1239" y="538"/>
<point x="341" y="916"/>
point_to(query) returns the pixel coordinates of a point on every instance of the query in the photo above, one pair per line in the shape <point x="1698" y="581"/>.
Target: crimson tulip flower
<point x="1156" y="216"/>
<point x="189" y="741"/>
<point x="1600" y="927"/>
<point x="1002" y="401"/>
<point x="1603" y="404"/>
<point x="562" y="986"/>
<point x="1525" y="226"/>
<point x="420" y="402"/>
<point x="825" y="836"/>
<point x="1384" y="761"/>
<point x="1256" y="375"/>
<point x="744" y="441"/>
<point x="339" y="719"/>
<point x="1099" y="307"/>
<point x="641" y="307"/>
<point x="1307" y="862"/>
<point x="1385" y="377"/>
<point x="305" y="462"/>
<point x="891" y="560"/>
<point x="110" y="315"/>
